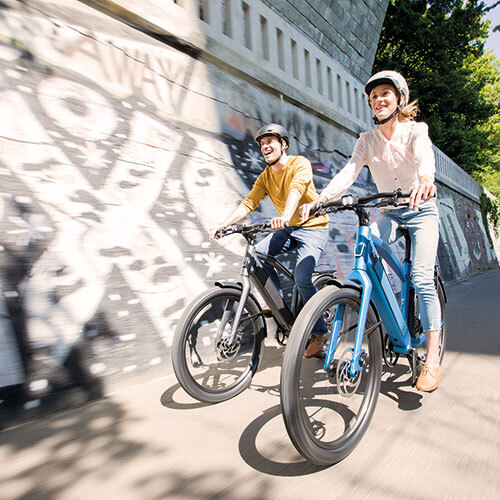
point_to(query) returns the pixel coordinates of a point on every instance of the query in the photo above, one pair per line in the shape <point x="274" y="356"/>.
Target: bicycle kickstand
<point x="281" y="336"/>
<point x="413" y="368"/>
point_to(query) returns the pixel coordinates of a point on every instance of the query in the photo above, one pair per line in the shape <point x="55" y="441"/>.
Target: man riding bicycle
<point x="288" y="182"/>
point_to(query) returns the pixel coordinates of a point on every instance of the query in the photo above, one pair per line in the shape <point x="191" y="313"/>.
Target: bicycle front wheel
<point x="327" y="412"/>
<point x="209" y="364"/>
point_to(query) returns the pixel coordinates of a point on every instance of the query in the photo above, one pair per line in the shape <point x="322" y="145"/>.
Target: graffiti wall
<point x="117" y="154"/>
<point x="464" y="248"/>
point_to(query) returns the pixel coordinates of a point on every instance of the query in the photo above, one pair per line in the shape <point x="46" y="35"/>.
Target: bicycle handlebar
<point x="243" y="228"/>
<point x="350" y="202"/>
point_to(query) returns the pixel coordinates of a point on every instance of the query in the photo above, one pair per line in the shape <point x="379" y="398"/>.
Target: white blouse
<point x="394" y="164"/>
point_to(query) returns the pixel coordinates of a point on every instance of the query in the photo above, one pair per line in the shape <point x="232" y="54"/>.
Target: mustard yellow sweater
<point x="297" y="174"/>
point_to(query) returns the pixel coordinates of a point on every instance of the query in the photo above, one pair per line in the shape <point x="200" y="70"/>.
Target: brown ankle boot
<point x="315" y="345"/>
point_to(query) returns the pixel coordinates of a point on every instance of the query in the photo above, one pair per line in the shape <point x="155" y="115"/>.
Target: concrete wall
<point x="117" y="153"/>
<point x="348" y="30"/>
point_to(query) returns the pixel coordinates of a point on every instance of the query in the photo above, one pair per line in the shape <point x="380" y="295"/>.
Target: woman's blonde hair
<point x="409" y="112"/>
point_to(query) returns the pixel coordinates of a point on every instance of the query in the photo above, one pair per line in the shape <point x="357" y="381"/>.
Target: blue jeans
<point x="423" y="227"/>
<point x="309" y="244"/>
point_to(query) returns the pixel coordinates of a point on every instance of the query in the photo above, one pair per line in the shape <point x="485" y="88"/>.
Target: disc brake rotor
<point x="225" y="349"/>
<point x="346" y="384"/>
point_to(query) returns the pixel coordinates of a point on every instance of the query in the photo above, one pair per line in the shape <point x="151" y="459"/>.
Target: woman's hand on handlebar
<point x="423" y="191"/>
<point x="308" y="209"/>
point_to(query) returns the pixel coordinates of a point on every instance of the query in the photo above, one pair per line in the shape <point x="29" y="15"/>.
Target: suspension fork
<point x="366" y="292"/>
<point x="338" y="322"/>
<point x="245" y="292"/>
<point x="239" y="311"/>
<point x="334" y="337"/>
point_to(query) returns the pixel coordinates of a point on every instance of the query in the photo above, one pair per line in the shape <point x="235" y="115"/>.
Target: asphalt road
<point x="152" y="441"/>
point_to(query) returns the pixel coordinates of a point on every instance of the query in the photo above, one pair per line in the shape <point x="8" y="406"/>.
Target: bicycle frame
<point x="369" y="272"/>
<point x="252" y="272"/>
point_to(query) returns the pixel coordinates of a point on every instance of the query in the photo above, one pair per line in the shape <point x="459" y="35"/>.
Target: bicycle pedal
<point x="320" y="355"/>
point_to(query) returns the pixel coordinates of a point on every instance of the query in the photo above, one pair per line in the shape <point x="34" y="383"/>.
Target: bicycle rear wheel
<point x="327" y="412"/>
<point x="207" y="365"/>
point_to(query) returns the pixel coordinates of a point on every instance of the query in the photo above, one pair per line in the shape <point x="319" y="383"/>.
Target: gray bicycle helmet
<point x="392" y="78"/>
<point x="272" y="129"/>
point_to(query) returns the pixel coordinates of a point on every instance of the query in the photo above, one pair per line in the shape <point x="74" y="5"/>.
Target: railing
<point x="259" y="36"/>
<point x="450" y="174"/>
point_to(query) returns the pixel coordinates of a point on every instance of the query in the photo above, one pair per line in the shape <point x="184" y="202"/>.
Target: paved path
<point x="152" y="441"/>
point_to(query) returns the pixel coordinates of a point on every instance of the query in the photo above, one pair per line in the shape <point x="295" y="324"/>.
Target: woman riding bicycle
<point x="399" y="155"/>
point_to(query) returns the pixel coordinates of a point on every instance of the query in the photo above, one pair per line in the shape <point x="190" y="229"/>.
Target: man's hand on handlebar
<point x="279" y="223"/>
<point x="212" y="235"/>
<point x="305" y="210"/>
<point x="423" y="191"/>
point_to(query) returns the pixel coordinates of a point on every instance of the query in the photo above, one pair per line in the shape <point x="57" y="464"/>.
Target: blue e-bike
<point x="328" y="402"/>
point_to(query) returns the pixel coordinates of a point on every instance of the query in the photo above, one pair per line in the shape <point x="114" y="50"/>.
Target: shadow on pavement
<point x="167" y="400"/>
<point x="400" y="391"/>
<point x="271" y="359"/>
<point x="51" y="456"/>
<point x="250" y="454"/>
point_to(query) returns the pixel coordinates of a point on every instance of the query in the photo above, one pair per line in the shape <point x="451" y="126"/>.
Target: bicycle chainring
<point x="390" y="357"/>
<point x="281" y="336"/>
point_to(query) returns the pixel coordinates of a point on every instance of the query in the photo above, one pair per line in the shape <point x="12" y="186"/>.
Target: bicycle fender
<point x="229" y="284"/>
<point x="346" y="284"/>
<point x="332" y="280"/>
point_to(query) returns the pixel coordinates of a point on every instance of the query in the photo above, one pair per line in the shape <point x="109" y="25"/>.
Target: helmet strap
<point x="277" y="159"/>
<point x="385" y="120"/>
<point x="396" y="111"/>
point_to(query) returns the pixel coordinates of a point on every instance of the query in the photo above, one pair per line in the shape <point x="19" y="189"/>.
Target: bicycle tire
<point x="301" y="383"/>
<point x="206" y="367"/>
<point x="442" y="338"/>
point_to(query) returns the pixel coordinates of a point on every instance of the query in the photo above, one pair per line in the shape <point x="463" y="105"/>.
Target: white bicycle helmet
<point x="392" y="78"/>
<point x="398" y="82"/>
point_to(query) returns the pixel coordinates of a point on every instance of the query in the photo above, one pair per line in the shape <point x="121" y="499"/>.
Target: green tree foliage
<point x="488" y="172"/>
<point x="439" y="46"/>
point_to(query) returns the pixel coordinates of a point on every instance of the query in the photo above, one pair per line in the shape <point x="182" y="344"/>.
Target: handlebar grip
<point x="222" y="231"/>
